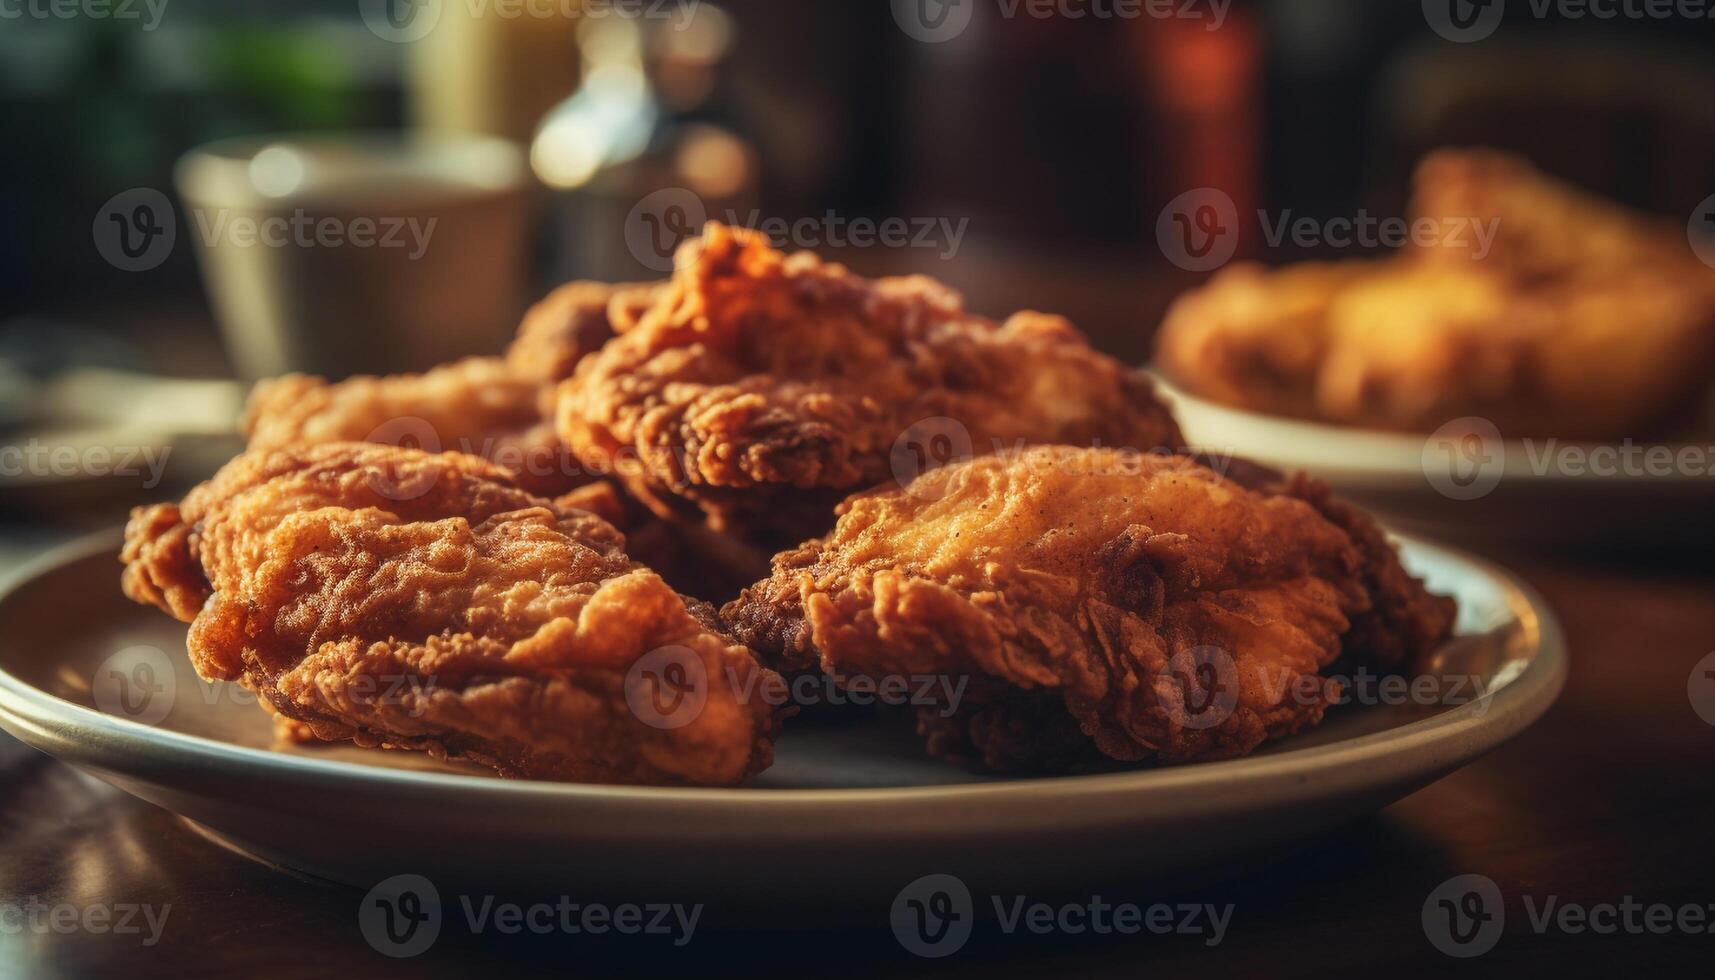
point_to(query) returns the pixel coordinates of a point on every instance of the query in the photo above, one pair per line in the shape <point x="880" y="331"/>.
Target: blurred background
<point x="509" y="145"/>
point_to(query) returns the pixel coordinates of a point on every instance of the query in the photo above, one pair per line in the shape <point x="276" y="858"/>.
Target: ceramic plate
<point x="105" y="685"/>
<point x="1467" y="483"/>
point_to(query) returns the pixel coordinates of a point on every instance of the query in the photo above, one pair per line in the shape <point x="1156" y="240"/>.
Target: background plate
<point x="849" y="800"/>
<point x="1499" y="490"/>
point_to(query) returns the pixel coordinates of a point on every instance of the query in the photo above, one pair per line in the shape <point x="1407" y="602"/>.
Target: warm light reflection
<point x="277" y="171"/>
<point x="713" y="162"/>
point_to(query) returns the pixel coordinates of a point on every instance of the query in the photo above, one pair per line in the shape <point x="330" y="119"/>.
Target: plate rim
<point x="1410" y="445"/>
<point x="38" y="718"/>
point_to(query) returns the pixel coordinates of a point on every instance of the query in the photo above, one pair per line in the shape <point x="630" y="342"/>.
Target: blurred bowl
<point x="360" y="253"/>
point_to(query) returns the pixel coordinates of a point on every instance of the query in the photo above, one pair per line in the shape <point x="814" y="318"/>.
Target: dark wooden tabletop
<point x="1605" y="802"/>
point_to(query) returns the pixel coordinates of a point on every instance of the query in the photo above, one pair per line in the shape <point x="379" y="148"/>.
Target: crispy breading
<point x="499" y="408"/>
<point x="761" y="388"/>
<point x="1107" y="583"/>
<point x="412" y="600"/>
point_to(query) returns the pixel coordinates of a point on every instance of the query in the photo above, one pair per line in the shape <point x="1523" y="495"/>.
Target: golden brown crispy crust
<point x="499" y="408"/>
<point x="477" y="406"/>
<point x="689" y="556"/>
<point x="412" y="600"/>
<point x="1101" y="580"/>
<point x="571" y="322"/>
<point x="1546" y="230"/>
<point x="760" y="388"/>
<point x="1580" y="320"/>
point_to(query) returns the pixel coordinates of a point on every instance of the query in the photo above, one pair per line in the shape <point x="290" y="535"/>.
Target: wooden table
<point x="1609" y="796"/>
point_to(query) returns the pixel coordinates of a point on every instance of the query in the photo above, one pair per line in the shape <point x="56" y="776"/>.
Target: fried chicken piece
<point x="1254" y="338"/>
<point x="497" y="408"/>
<point x="571" y="322"/>
<point x="1583" y="321"/>
<point x="689" y="556"/>
<point x="475" y="406"/>
<point x="761" y="388"/>
<point x="398" y="598"/>
<point x="1139" y="605"/>
<point x="1545" y="230"/>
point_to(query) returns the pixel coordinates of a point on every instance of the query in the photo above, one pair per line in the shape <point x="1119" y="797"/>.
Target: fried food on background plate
<point x="1545" y="230"/>
<point x="495" y="407"/>
<point x="397" y="598"/>
<point x="1097" y="600"/>
<point x="1581" y="321"/>
<point x="761" y="388"/>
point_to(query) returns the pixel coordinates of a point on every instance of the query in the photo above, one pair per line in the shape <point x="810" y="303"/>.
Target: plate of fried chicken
<point x="1554" y="381"/>
<point x="766" y="556"/>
